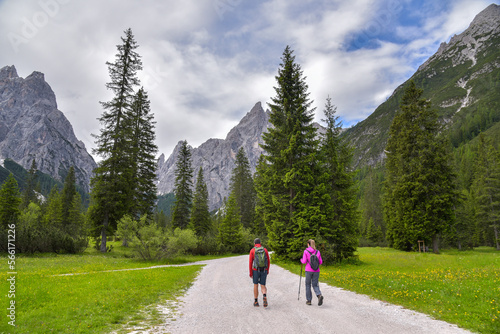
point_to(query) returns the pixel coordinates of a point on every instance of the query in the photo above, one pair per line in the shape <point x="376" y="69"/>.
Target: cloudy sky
<point x="207" y="62"/>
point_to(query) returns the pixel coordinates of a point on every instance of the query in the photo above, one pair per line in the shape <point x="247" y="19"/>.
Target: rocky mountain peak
<point x="31" y="127"/>
<point x="8" y="72"/>
<point x="472" y="40"/>
<point x="217" y="156"/>
<point x="488" y="17"/>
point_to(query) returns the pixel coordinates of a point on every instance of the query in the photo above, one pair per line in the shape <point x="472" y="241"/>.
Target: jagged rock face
<point x="451" y="80"/>
<point x="217" y="156"/>
<point x="31" y="127"/>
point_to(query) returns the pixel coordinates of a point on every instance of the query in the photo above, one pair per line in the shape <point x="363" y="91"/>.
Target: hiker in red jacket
<point x="259" y="269"/>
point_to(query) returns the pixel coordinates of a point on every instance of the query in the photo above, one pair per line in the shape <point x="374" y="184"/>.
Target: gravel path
<point x="221" y="301"/>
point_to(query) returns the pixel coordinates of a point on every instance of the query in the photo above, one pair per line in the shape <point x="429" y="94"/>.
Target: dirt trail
<point x="221" y="301"/>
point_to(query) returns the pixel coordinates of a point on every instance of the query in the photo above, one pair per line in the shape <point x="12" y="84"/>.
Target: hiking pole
<point x="300" y="281"/>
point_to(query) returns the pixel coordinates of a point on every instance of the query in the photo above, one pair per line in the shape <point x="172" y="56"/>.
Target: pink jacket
<point x="307" y="256"/>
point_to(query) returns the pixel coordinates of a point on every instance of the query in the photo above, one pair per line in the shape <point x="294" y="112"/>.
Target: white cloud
<point x="206" y="63"/>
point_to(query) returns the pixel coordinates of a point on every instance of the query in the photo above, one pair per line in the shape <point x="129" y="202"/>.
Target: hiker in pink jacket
<point x="312" y="271"/>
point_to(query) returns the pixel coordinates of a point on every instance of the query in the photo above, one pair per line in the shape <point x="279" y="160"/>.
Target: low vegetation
<point x="462" y="288"/>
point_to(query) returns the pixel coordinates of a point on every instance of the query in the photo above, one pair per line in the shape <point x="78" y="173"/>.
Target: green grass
<point x="95" y="301"/>
<point x="462" y="288"/>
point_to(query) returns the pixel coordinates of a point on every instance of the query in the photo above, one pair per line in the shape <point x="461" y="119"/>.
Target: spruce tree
<point x="420" y="193"/>
<point x="10" y="201"/>
<point x="288" y="195"/>
<point x="486" y="189"/>
<point x="112" y="191"/>
<point x="230" y="229"/>
<point x="200" y="215"/>
<point x="243" y="189"/>
<point x="340" y="229"/>
<point x="143" y="155"/>
<point x="183" y="188"/>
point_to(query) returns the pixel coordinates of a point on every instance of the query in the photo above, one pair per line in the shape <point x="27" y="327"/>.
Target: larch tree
<point x="420" y="193"/>
<point x="183" y="188"/>
<point x="112" y="192"/>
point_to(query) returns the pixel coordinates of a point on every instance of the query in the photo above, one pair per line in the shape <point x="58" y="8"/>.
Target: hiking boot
<point x="265" y="301"/>
<point x="256" y="304"/>
<point x="320" y="300"/>
<point x="308" y="302"/>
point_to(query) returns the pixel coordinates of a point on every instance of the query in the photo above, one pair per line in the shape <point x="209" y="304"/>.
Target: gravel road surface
<point x="221" y="301"/>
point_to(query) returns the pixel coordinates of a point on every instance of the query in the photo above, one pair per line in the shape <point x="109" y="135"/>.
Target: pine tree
<point x="183" y="188"/>
<point x="10" y="201"/>
<point x="200" y="215"/>
<point x="340" y="229"/>
<point x="143" y="156"/>
<point x="420" y="194"/>
<point x="288" y="195"/>
<point x="112" y="191"/>
<point x="486" y="188"/>
<point x="243" y="189"/>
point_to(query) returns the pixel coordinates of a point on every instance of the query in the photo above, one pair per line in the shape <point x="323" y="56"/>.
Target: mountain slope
<point x="31" y="127"/>
<point x="461" y="80"/>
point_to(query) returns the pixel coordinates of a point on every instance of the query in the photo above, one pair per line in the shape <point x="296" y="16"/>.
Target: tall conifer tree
<point x="10" y="201"/>
<point x="112" y="191"/>
<point x="200" y="215"/>
<point x="340" y="229"/>
<point x="287" y="191"/>
<point x="143" y="155"/>
<point x="243" y="189"/>
<point x="486" y="189"/>
<point x="183" y="188"/>
<point x="68" y="194"/>
<point x="420" y="194"/>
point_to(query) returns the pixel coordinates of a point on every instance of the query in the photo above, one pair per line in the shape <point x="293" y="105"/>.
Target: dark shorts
<point x="259" y="277"/>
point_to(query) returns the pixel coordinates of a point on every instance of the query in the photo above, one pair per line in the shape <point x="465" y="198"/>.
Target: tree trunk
<point x="496" y="236"/>
<point x="103" y="234"/>
<point x="435" y="244"/>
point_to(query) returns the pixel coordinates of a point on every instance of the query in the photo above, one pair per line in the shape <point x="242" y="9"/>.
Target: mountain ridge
<point x="460" y="80"/>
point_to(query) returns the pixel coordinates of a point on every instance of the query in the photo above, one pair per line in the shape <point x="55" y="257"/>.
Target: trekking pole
<point x="300" y="281"/>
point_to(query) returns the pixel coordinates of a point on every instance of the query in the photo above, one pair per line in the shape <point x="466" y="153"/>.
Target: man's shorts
<point x="259" y="277"/>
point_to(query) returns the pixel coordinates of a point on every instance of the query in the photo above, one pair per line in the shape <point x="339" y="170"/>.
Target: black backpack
<point x="313" y="260"/>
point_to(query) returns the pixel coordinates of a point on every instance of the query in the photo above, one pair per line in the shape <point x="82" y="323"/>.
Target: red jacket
<point x="252" y="257"/>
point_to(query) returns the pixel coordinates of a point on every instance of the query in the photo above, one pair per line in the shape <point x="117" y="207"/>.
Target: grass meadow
<point x="459" y="287"/>
<point x="462" y="288"/>
<point x="95" y="300"/>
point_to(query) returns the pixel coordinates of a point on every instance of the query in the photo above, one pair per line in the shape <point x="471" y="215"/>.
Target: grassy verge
<point x="458" y="287"/>
<point x="95" y="301"/>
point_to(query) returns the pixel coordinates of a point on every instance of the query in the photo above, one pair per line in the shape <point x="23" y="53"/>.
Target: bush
<point x="181" y="242"/>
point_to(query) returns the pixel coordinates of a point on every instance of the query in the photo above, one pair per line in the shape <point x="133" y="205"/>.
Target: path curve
<point x="221" y="301"/>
